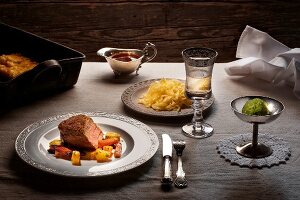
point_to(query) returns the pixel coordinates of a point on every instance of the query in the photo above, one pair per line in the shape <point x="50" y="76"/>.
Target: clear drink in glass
<point x="199" y="64"/>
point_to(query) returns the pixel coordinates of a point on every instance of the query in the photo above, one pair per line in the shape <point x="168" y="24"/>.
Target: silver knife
<point x="167" y="156"/>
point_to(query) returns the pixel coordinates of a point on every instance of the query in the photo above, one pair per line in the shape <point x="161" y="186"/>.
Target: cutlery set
<point x="180" y="180"/>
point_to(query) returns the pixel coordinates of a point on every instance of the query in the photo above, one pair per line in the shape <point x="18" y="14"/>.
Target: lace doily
<point x="281" y="150"/>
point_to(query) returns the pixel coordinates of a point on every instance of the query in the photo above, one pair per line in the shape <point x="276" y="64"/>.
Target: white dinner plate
<point x="133" y="93"/>
<point x="139" y="144"/>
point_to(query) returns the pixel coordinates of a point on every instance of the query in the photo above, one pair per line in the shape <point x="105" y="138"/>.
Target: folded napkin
<point x="266" y="58"/>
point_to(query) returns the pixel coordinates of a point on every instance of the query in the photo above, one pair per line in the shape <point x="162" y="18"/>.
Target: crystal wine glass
<point x="199" y="63"/>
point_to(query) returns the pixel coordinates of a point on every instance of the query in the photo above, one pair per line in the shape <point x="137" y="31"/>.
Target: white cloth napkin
<point x="266" y="58"/>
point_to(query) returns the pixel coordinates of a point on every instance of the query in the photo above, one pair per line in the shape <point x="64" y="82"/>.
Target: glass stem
<point x="198" y="117"/>
<point x="255" y="135"/>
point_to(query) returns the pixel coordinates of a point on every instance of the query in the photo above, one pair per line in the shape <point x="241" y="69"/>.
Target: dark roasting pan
<point x="58" y="68"/>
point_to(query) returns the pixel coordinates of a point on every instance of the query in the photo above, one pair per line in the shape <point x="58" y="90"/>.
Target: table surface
<point x="209" y="175"/>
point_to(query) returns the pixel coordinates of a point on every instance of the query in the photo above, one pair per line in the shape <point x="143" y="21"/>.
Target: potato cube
<point x="108" y="149"/>
<point x="112" y="135"/>
<point x="102" y="156"/>
<point x="55" y="143"/>
<point x="75" y="159"/>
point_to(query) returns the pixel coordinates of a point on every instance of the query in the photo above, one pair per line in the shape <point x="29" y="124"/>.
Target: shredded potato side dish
<point x="165" y="95"/>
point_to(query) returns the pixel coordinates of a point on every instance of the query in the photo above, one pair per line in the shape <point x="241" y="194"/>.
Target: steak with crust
<point x="80" y="131"/>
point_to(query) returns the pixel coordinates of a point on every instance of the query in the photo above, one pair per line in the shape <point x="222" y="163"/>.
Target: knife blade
<point x="167" y="156"/>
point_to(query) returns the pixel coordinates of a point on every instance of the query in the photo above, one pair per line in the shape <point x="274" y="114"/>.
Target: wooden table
<point x="209" y="175"/>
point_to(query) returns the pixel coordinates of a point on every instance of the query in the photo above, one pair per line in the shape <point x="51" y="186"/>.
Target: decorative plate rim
<point x="21" y="141"/>
<point x="126" y="98"/>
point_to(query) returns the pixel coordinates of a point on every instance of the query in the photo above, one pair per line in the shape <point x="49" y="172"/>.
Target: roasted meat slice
<point x="80" y="131"/>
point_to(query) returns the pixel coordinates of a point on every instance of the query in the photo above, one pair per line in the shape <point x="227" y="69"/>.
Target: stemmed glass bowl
<point x="254" y="149"/>
<point x="199" y="63"/>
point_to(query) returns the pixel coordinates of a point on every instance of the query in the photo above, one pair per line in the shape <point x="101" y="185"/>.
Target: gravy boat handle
<point x="147" y="55"/>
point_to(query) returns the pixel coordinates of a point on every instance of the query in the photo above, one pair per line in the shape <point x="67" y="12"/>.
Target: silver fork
<point x="180" y="180"/>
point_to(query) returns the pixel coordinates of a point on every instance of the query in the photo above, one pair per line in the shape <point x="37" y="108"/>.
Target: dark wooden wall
<point x="88" y="25"/>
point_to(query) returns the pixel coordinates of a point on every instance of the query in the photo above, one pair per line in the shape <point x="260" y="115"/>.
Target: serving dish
<point x="126" y="61"/>
<point x="131" y="95"/>
<point x="139" y="144"/>
<point x="58" y="66"/>
<point x="255" y="149"/>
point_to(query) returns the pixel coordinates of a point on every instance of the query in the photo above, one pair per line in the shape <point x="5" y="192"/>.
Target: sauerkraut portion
<point x="165" y="95"/>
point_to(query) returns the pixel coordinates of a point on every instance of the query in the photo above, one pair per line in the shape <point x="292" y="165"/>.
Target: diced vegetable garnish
<point x="56" y="143"/>
<point x="118" y="150"/>
<point x="51" y="149"/>
<point x="108" y="149"/>
<point x="112" y="135"/>
<point x="102" y="156"/>
<point x="107" y="142"/>
<point x="63" y="152"/>
<point x="75" y="159"/>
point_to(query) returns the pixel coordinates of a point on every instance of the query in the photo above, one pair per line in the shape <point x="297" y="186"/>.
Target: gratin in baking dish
<point x="58" y="66"/>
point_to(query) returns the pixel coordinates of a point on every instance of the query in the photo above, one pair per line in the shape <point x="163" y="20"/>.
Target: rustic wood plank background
<point x="171" y="25"/>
